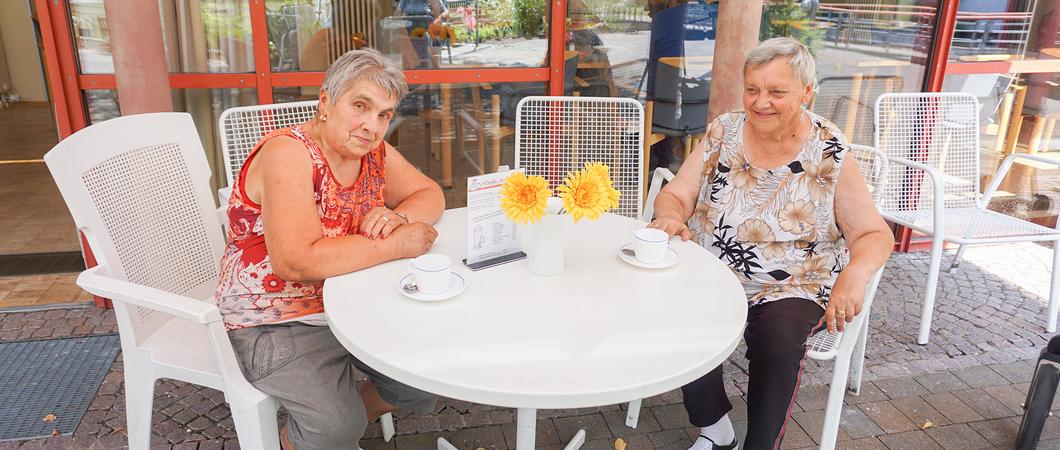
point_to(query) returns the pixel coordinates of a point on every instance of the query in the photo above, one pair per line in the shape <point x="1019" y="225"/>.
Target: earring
<point x="323" y="117"/>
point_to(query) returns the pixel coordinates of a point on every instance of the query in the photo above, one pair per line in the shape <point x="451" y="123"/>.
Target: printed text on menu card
<point x="490" y="235"/>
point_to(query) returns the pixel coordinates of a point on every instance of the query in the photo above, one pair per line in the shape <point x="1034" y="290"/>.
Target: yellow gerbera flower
<point x="601" y="170"/>
<point x="523" y="198"/>
<point x="585" y="194"/>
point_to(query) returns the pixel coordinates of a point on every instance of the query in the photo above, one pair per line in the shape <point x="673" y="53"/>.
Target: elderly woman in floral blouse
<point x="774" y="193"/>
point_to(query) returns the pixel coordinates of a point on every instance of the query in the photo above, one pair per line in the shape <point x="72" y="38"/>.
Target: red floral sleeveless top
<point x="249" y="293"/>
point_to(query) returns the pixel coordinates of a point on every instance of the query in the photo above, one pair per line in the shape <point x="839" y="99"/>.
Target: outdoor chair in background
<point x="847" y="347"/>
<point x="498" y="122"/>
<point x="557" y="135"/>
<point x="932" y="143"/>
<point x="848" y="101"/>
<point x="138" y="188"/>
<point x="241" y="129"/>
<point x="678" y="104"/>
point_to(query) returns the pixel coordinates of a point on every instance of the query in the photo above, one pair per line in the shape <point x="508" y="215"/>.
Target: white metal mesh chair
<point x="557" y="135"/>
<point x="847" y="347"/>
<point x="241" y="129"/>
<point x="137" y="187"/>
<point x="932" y="143"/>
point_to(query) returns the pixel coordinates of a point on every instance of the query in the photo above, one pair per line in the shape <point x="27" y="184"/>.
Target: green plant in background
<point x="529" y="18"/>
<point x="782" y="18"/>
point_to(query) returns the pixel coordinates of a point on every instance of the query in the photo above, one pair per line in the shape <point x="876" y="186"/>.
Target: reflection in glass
<point x="205" y="36"/>
<point x="1019" y="94"/>
<point x="418" y="34"/>
<point x="452" y="131"/>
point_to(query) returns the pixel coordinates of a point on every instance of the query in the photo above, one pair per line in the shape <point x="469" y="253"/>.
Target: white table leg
<point x="577" y="441"/>
<point x="445" y="445"/>
<point x="525" y="428"/>
<point x="526" y="431"/>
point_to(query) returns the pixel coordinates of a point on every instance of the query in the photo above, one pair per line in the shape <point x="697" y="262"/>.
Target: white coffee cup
<point x="432" y="273"/>
<point x="650" y="245"/>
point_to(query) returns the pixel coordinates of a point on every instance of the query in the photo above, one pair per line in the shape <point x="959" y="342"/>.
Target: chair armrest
<point x="849" y="340"/>
<point x="936" y="182"/>
<point x="1003" y="169"/>
<point x="223" y="194"/>
<point x="147" y="297"/>
<point x="660" y="174"/>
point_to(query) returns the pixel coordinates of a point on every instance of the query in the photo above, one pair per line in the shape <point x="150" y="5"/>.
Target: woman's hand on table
<point x="381" y="222"/>
<point x="844" y="303"/>
<point x="672" y="227"/>
<point x="414" y="239"/>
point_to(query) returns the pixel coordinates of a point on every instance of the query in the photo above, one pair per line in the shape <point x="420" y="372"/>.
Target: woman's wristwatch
<point x="402" y="216"/>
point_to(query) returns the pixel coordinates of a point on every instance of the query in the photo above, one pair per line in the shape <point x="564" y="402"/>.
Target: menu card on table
<point x="492" y="239"/>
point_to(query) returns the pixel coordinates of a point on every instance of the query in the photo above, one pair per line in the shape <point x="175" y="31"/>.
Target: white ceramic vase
<point x="545" y="251"/>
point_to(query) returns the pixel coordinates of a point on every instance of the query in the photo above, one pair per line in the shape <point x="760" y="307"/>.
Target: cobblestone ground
<point x="969" y="381"/>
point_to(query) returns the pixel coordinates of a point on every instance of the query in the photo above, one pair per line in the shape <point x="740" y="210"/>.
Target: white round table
<point x="602" y="332"/>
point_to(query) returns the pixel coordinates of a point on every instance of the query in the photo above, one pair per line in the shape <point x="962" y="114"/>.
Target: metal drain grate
<point x="56" y="377"/>
<point x="38" y="263"/>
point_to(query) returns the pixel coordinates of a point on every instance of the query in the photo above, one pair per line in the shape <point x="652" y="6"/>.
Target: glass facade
<point x="659" y="52"/>
<point x="417" y="34"/>
<point x="205" y="36"/>
<point x="1007" y="53"/>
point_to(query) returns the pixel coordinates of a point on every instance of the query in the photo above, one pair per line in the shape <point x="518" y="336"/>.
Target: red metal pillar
<point x="557" y="45"/>
<point x="139" y="53"/>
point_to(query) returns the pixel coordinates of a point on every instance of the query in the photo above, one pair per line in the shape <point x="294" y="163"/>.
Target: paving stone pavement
<point x="969" y="381"/>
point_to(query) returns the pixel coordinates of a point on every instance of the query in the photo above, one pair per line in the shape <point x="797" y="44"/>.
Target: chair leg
<point x="928" y="307"/>
<point x="255" y="423"/>
<point x="1054" y="289"/>
<point x="387" y="422"/>
<point x="857" y="360"/>
<point x="834" y="409"/>
<point x="633" y="413"/>
<point x="957" y="258"/>
<point x="139" y="400"/>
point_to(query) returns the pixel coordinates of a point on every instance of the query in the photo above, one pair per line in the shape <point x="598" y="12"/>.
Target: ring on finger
<point x="386" y="219"/>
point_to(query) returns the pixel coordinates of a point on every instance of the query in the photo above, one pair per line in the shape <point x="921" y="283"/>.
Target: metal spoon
<point x="411" y="288"/>
<point x="629" y="252"/>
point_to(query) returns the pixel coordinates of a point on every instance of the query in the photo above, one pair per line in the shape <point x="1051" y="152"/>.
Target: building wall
<point x="20" y="48"/>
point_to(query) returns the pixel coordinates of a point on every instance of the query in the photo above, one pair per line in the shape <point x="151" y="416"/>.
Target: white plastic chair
<point x="137" y="187"/>
<point x="846" y="347"/>
<point x="932" y="139"/>
<point x="241" y="129"/>
<point x="557" y="135"/>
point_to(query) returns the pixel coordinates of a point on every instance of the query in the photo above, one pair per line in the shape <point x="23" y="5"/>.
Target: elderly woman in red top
<point x="323" y="198"/>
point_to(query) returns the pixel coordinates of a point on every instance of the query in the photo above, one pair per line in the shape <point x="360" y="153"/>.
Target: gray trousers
<point x="312" y="376"/>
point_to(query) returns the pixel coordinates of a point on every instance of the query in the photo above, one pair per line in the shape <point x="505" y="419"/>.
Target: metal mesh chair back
<point x="940" y="130"/>
<point x="873" y="167"/>
<point x="242" y="128"/>
<point x="847" y="102"/>
<point x="558" y="135"/>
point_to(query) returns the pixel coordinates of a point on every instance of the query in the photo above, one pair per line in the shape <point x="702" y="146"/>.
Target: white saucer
<point x="670" y="260"/>
<point x="457" y="284"/>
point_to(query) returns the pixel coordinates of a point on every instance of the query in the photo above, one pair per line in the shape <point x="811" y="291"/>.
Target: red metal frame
<point x="945" y="22"/>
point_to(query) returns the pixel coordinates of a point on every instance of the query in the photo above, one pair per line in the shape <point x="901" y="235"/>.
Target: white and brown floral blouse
<point x="776" y="229"/>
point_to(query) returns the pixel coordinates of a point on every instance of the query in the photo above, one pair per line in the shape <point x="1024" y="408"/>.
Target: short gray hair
<point x="797" y="55"/>
<point x="360" y="65"/>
